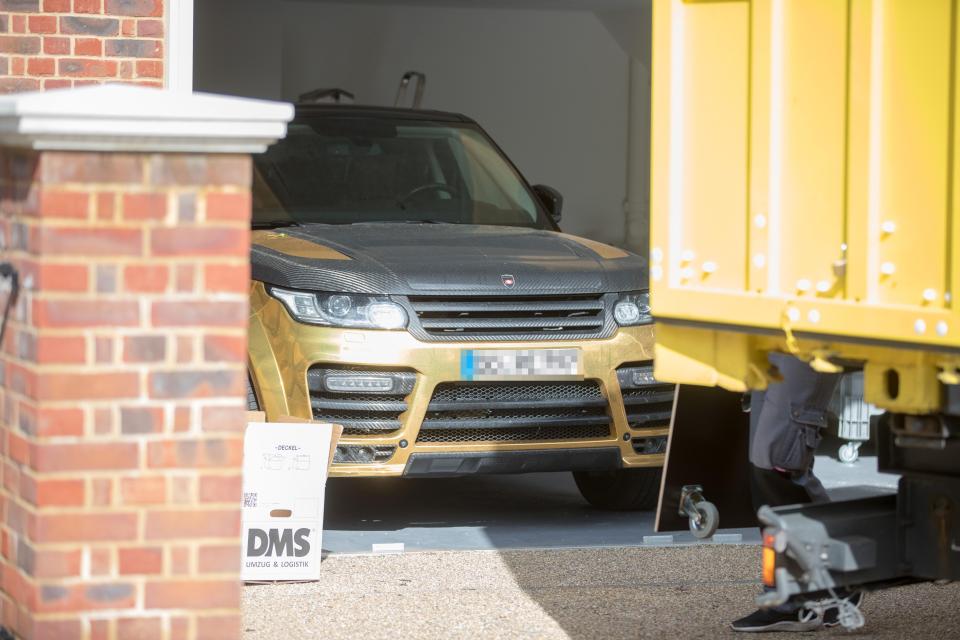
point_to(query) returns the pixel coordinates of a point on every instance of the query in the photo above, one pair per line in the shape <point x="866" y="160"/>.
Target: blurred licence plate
<point x="513" y="364"/>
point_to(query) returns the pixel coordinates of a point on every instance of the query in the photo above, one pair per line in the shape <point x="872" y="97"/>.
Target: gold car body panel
<point x="803" y="191"/>
<point x="605" y="251"/>
<point x="297" y="247"/>
<point x="282" y="350"/>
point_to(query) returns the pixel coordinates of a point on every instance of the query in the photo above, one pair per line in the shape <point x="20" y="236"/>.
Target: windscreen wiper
<point x="275" y="224"/>
<point x="404" y="222"/>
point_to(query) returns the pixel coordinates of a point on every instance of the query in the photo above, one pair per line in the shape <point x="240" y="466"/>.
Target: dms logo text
<point x="278" y="543"/>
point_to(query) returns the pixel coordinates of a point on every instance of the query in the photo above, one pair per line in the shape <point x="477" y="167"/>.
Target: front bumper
<point x="483" y="462"/>
<point x="282" y="351"/>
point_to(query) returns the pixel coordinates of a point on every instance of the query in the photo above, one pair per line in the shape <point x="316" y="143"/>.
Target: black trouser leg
<point x="775" y="488"/>
<point x="798" y="402"/>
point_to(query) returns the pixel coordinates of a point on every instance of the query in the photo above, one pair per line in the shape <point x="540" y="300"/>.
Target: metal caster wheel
<point x="709" y="520"/>
<point x="849" y="453"/>
<point x="703" y="515"/>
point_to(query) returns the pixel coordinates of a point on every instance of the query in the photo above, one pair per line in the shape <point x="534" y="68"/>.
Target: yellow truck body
<point x="804" y="192"/>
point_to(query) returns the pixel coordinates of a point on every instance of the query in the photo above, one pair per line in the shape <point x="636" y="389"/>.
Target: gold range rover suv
<point x="410" y="285"/>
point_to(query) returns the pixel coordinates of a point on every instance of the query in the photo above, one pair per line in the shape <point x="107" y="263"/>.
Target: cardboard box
<point x="285" y="468"/>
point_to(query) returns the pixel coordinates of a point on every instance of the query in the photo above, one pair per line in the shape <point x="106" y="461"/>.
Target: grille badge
<point x="508" y="280"/>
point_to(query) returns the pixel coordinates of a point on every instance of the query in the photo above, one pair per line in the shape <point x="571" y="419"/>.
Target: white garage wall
<point x="237" y="48"/>
<point x="551" y="87"/>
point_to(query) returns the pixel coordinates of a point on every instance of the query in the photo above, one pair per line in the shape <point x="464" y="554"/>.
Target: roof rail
<point x="324" y="96"/>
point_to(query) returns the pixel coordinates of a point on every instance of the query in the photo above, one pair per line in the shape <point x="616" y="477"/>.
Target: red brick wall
<point x="122" y="394"/>
<point x="46" y="44"/>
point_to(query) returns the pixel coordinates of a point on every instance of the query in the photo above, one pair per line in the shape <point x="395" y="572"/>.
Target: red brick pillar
<point x="51" y="44"/>
<point x="123" y="379"/>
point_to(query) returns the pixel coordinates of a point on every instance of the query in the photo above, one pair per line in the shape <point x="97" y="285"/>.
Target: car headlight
<point x="342" y="309"/>
<point x="632" y="309"/>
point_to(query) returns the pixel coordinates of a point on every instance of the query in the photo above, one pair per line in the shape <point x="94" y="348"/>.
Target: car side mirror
<point x="551" y="199"/>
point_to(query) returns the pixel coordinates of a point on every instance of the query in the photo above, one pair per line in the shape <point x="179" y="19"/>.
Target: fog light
<point x="634" y="377"/>
<point x="358" y="383"/>
<point x="325" y="379"/>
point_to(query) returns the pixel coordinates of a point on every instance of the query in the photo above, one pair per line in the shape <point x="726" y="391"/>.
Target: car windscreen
<point x="352" y="170"/>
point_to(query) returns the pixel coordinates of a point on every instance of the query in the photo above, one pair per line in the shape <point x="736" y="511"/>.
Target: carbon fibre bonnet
<point x="411" y="259"/>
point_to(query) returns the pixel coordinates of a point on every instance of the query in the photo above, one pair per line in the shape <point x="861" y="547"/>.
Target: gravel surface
<point x="677" y="592"/>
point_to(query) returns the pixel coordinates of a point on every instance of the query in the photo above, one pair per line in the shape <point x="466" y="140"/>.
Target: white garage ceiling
<point x="574" y="5"/>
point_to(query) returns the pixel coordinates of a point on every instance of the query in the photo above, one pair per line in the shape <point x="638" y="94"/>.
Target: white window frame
<point x="178" y="74"/>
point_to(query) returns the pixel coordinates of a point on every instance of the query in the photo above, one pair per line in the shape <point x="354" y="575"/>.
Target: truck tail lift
<point x="811" y="551"/>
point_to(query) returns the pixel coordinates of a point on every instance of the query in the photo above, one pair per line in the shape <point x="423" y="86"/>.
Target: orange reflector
<point x="769" y="561"/>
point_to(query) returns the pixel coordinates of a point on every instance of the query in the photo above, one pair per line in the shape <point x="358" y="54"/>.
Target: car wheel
<point x="252" y="403"/>
<point x="621" y="490"/>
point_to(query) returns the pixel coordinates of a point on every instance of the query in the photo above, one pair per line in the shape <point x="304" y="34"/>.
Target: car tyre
<point x="620" y="490"/>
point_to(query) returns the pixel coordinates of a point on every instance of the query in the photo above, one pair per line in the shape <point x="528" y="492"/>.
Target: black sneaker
<point x="764" y="620"/>
<point x="831" y="617"/>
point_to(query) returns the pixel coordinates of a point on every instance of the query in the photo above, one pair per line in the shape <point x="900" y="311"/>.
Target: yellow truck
<point x="803" y="199"/>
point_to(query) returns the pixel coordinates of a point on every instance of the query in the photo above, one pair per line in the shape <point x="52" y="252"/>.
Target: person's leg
<point x="785" y="425"/>
<point x="775" y="488"/>
<point x="811" y="485"/>
<point x="785" y="432"/>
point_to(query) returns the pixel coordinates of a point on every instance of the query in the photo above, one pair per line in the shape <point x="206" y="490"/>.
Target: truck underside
<point x="819" y="552"/>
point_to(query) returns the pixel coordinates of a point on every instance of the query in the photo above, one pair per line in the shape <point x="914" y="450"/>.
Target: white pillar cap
<point x="117" y="117"/>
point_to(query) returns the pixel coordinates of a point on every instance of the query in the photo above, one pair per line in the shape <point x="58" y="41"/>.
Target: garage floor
<point x="491" y="512"/>
<point x="512" y="512"/>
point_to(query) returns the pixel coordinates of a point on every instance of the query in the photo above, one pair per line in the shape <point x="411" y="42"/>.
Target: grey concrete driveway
<point x="677" y="592"/>
<point x="525" y="557"/>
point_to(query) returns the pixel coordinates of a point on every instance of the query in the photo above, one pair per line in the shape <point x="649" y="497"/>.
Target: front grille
<point x="653" y="410"/>
<point x="648" y="446"/>
<point x="359" y="413"/>
<point x="515" y="411"/>
<point x="524" y="434"/>
<point x="510" y="317"/>
<point x="458" y="394"/>
<point x="648" y="405"/>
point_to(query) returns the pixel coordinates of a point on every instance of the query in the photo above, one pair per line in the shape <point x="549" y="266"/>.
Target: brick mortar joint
<point x="141" y="186"/>
<point x="199" y="332"/>
<point x="163" y="366"/>
<point x="35" y="220"/>
<point x="150" y="298"/>
<point x="124" y="613"/>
